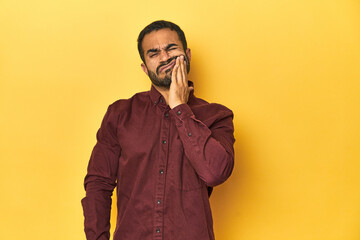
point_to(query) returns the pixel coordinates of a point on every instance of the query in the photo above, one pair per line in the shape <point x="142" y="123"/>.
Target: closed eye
<point x="171" y="46"/>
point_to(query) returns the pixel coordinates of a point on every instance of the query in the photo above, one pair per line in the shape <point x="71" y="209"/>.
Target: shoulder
<point x="124" y="105"/>
<point x="121" y="109"/>
<point x="211" y="111"/>
<point x="202" y="105"/>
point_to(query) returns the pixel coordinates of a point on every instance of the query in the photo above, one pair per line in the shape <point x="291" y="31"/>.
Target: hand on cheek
<point x="179" y="89"/>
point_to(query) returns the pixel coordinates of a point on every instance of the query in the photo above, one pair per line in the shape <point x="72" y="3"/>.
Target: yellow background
<point x="289" y="70"/>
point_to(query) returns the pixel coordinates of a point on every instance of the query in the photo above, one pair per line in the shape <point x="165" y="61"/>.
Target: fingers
<point x="185" y="73"/>
<point x="181" y="72"/>
<point x="182" y="79"/>
<point x="174" y="73"/>
<point x="179" y="88"/>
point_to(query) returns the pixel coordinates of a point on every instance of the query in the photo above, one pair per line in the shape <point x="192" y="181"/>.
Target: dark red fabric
<point x="162" y="162"/>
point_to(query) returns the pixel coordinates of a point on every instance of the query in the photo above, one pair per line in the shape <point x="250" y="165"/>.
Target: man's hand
<point x="179" y="88"/>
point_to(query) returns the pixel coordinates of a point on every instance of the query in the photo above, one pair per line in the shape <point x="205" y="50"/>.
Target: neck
<point x="164" y="92"/>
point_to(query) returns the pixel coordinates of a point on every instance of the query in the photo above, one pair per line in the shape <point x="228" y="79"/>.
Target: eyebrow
<point x="152" y="50"/>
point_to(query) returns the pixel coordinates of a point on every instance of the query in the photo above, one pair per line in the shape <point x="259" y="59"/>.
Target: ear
<point x="144" y="68"/>
<point x="188" y="53"/>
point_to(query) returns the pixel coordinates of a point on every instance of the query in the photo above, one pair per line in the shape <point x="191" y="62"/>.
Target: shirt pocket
<point x="181" y="175"/>
<point x="188" y="179"/>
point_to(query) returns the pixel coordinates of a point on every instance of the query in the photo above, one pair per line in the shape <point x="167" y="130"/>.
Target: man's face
<point x="161" y="48"/>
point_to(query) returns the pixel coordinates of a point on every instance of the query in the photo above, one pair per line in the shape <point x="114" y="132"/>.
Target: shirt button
<point x="161" y="171"/>
<point x="158" y="202"/>
<point x="189" y="134"/>
<point x="166" y="114"/>
<point x="155" y="102"/>
<point x="178" y="112"/>
<point x="158" y="230"/>
<point x="161" y="100"/>
<point x="164" y="141"/>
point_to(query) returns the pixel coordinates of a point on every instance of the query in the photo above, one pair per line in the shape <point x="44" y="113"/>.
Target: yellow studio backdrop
<point x="289" y="70"/>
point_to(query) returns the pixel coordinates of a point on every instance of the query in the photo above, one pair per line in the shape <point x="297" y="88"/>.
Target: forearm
<point x="210" y="151"/>
<point x="99" y="187"/>
<point x="97" y="208"/>
<point x="100" y="180"/>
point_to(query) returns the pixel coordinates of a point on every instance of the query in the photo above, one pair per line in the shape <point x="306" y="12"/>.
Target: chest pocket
<point x="180" y="172"/>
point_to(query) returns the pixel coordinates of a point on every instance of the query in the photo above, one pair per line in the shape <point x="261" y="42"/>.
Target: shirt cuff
<point x="181" y="111"/>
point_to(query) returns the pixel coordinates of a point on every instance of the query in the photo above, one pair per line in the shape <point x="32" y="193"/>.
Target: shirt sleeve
<point x="100" y="180"/>
<point x="209" y="149"/>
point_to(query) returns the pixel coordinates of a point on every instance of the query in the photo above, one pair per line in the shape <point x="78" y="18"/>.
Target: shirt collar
<point x="156" y="96"/>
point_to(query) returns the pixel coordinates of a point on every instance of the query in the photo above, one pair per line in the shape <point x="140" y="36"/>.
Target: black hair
<point x="155" y="26"/>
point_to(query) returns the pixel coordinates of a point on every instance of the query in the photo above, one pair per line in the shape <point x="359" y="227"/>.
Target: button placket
<point x="159" y="198"/>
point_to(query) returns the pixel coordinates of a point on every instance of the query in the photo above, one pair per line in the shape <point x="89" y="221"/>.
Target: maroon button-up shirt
<point x="163" y="162"/>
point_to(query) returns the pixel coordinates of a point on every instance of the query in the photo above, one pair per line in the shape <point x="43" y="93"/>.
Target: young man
<point x="163" y="149"/>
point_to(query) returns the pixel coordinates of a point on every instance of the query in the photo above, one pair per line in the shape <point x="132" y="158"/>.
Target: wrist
<point x="175" y="104"/>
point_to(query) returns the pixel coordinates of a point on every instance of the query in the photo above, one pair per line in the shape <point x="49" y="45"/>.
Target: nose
<point x="164" y="55"/>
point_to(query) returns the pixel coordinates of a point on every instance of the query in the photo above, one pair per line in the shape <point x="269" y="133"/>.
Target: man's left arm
<point x="209" y="149"/>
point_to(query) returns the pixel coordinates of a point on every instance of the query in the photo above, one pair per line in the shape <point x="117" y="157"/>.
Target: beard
<point x="165" y="81"/>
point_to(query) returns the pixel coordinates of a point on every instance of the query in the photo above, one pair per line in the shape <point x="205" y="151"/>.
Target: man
<point x="163" y="149"/>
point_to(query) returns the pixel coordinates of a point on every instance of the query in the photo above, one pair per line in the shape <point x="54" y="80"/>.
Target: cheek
<point x="179" y="53"/>
<point x="152" y="65"/>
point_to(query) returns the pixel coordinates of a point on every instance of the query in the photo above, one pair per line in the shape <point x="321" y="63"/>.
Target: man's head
<point x="159" y="44"/>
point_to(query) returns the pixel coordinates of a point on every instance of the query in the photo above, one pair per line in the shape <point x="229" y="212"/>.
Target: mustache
<point x="167" y="62"/>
